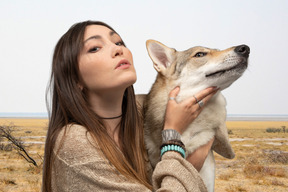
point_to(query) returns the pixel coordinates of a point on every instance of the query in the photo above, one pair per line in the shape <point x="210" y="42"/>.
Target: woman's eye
<point x="120" y="43"/>
<point x="200" y="54"/>
<point x="94" y="49"/>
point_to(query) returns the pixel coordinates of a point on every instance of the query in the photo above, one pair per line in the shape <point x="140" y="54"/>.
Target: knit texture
<point x="79" y="166"/>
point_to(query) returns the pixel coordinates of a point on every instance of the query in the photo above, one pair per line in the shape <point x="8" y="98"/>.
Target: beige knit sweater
<point x="79" y="166"/>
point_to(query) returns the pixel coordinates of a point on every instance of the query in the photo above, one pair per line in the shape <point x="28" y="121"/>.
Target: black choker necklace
<point x="111" y="117"/>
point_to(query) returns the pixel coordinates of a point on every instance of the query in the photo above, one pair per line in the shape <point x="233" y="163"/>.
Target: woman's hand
<point x="180" y="115"/>
<point x="198" y="157"/>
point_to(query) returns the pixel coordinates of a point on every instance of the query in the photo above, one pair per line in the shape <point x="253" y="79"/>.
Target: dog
<point x="193" y="70"/>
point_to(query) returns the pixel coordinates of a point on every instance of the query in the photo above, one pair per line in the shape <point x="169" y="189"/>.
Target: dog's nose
<point x="242" y="50"/>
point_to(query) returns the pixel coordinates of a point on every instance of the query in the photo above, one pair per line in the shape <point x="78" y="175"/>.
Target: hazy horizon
<point x="230" y="117"/>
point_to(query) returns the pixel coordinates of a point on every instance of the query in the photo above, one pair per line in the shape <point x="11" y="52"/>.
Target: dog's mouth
<point x="238" y="67"/>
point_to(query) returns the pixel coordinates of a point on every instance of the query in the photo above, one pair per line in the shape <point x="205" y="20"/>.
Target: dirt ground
<point x="260" y="165"/>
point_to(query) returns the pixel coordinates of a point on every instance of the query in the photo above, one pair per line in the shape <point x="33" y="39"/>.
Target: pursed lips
<point x="124" y="63"/>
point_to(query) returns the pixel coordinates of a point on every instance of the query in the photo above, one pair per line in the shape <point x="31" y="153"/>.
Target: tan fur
<point x="190" y="73"/>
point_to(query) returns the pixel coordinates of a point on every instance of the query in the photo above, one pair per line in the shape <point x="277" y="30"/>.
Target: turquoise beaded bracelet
<point x="176" y="148"/>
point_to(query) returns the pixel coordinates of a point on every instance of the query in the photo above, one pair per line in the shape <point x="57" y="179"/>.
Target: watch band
<point x="170" y="134"/>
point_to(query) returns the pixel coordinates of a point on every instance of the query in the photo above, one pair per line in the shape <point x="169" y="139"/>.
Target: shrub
<point x="284" y="129"/>
<point x="7" y="147"/>
<point x="233" y="188"/>
<point x="227" y="176"/>
<point x="279" y="158"/>
<point x="230" y="132"/>
<point x="277" y="182"/>
<point x="8" y="182"/>
<point x="260" y="171"/>
<point x="6" y="132"/>
<point x="273" y="130"/>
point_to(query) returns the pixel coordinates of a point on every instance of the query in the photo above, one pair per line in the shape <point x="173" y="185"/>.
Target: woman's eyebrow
<point x="99" y="37"/>
<point x="93" y="37"/>
<point x="113" y="33"/>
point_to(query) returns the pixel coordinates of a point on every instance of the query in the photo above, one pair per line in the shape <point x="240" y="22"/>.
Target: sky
<point x="30" y="29"/>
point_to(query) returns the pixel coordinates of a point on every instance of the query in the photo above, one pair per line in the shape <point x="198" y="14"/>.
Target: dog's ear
<point x="161" y="55"/>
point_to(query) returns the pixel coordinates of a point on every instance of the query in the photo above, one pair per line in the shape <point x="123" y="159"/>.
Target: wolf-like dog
<point x="193" y="70"/>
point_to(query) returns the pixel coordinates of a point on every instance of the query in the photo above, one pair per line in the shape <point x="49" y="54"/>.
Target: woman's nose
<point x="117" y="50"/>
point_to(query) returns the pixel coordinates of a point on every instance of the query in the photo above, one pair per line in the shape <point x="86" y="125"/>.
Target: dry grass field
<point x="260" y="165"/>
<point x="16" y="174"/>
<point x="261" y="162"/>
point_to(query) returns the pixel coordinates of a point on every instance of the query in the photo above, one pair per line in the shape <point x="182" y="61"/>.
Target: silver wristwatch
<point x="170" y="134"/>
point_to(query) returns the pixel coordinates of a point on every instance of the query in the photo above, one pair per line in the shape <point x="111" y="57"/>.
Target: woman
<point x="95" y="134"/>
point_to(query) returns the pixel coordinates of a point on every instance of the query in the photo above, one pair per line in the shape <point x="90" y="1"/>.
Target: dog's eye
<point x="200" y="54"/>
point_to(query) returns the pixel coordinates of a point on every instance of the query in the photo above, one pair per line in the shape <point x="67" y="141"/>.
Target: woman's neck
<point x="108" y="106"/>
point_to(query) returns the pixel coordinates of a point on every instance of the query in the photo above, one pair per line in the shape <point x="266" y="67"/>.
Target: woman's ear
<point x="80" y="86"/>
<point x="161" y="55"/>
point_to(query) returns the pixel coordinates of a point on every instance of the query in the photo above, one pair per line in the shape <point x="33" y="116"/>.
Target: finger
<point x="199" y="96"/>
<point x="205" y="100"/>
<point x="174" y="93"/>
<point x="206" y="92"/>
<point x="211" y="142"/>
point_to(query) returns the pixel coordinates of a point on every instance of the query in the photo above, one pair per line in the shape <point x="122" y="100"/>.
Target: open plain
<point x="260" y="165"/>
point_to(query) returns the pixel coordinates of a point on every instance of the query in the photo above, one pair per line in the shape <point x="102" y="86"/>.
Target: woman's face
<point x="105" y="64"/>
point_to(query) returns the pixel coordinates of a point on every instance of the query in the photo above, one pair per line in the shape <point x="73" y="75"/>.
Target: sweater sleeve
<point x="173" y="173"/>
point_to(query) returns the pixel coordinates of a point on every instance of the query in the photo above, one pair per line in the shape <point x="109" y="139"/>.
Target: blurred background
<point x="30" y="29"/>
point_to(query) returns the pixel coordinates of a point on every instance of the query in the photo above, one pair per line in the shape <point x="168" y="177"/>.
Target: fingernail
<point x="215" y="88"/>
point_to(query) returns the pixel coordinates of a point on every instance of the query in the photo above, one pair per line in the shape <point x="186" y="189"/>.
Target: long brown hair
<point x="70" y="106"/>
